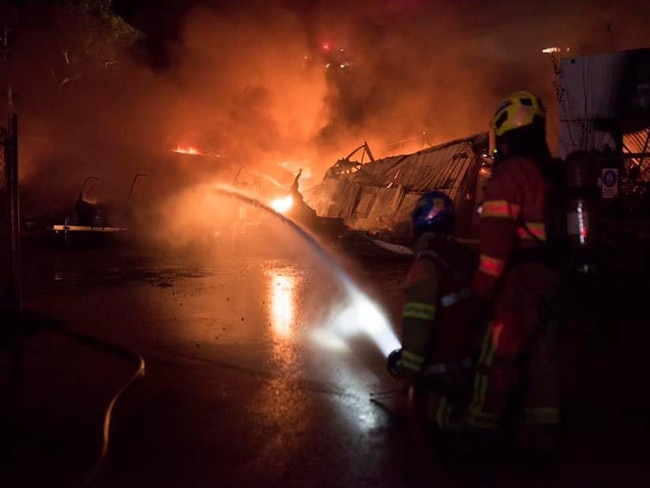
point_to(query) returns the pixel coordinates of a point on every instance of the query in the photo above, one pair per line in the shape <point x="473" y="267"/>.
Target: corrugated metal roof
<point x="637" y="142"/>
<point x="439" y="167"/>
<point x="380" y="195"/>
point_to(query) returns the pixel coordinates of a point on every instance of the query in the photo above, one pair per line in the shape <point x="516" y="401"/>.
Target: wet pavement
<point x="256" y="374"/>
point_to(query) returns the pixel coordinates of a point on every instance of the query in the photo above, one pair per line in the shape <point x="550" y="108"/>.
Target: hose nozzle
<point x="394" y="363"/>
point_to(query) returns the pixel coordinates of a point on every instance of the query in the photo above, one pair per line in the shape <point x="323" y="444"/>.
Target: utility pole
<point x="10" y="252"/>
<point x="10" y="258"/>
<point x="4" y="43"/>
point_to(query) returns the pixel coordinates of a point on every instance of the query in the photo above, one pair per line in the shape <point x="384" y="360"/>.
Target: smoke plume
<point x="266" y="88"/>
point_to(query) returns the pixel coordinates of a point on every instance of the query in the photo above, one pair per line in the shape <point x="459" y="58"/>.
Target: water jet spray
<point x="359" y="315"/>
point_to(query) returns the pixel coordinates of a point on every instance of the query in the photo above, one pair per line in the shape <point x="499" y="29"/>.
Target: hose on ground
<point x="117" y="350"/>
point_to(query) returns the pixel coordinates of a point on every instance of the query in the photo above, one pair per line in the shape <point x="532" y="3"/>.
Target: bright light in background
<point x="554" y="50"/>
<point x="193" y="151"/>
<point x="186" y="150"/>
<point x="282" y="290"/>
<point x="282" y="205"/>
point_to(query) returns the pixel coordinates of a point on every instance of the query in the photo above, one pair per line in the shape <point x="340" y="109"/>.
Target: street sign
<point x="609" y="182"/>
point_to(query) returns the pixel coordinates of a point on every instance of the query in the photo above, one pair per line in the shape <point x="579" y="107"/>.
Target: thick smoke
<point x="428" y="72"/>
<point x="265" y="88"/>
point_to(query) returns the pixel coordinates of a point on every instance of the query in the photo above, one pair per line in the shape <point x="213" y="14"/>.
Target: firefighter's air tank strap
<point x="435" y="256"/>
<point x="451" y="298"/>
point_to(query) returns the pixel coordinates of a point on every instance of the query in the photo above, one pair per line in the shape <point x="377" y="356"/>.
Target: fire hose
<point x="110" y="348"/>
<point x="394" y="363"/>
<point x="122" y="352"/>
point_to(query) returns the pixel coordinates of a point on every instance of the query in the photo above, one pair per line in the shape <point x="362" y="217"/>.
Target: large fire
<point x="282" y="205"/>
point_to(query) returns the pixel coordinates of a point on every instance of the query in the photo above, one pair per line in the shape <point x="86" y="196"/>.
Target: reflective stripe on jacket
<point x="513" y="218"/>
<point x="439" y="319"/>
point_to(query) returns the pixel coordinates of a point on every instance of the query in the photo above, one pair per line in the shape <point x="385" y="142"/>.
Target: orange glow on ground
<point x="282" y="291"/>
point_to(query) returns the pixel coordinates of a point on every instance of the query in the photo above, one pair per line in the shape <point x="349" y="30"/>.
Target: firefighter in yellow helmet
<point x="440" y="328"/>
<point x="515" y="396"/>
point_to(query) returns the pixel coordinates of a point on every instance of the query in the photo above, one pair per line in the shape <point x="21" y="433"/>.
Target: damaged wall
<point x="380" y="196"/>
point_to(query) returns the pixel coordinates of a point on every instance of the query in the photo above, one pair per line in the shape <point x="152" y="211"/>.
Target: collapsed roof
<point x="378" y="196"/>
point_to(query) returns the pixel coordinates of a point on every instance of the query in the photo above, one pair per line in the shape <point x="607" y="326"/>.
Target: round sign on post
<point x="609" y="182"/>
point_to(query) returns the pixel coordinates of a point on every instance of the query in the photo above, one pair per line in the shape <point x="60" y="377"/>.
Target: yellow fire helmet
<point x="518" y="110"/>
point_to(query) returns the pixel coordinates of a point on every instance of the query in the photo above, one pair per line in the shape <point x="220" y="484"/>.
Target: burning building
<point x="377" y="197"/>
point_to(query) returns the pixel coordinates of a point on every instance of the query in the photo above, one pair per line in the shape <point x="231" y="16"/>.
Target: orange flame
<point x="282" y="205"/>
<point x="187" y="150"/>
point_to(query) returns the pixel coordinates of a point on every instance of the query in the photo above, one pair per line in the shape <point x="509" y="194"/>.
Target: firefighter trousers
<point x="516" y="384"/>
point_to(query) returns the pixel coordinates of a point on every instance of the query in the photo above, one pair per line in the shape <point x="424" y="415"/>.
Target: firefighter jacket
<point x="518" y="354"/>
<point x="439" y="321"/>
<point x="512" y="221"/>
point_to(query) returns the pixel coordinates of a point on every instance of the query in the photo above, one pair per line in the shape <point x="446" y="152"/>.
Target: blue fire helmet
<point x="433" y="212"/>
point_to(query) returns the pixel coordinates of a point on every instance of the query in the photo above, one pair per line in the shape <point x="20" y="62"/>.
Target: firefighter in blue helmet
<point x="440" y="320"/>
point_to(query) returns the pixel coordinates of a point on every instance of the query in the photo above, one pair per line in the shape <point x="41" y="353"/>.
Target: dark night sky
<point x="162" y="20"/>
<point x="513" y="25"/>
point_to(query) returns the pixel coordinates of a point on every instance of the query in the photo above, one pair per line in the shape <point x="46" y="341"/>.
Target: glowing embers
<point x="282" y="291"/>
<point x="282" y="205"/>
